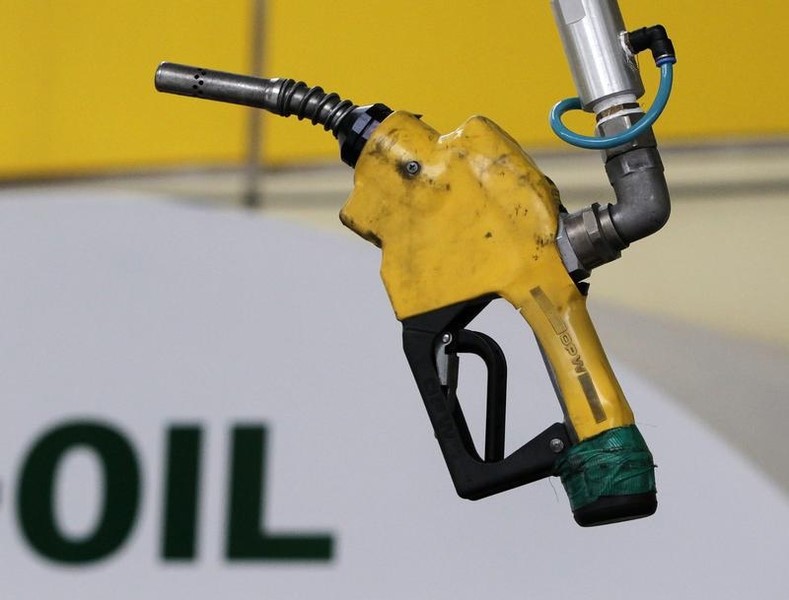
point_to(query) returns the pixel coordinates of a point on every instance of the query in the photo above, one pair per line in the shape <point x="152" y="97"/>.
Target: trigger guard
<point x="473" y="477"/>
<point x="484" y="346"/>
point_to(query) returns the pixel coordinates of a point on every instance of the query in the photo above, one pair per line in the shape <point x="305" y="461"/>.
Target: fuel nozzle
<point x="352" y="125"/>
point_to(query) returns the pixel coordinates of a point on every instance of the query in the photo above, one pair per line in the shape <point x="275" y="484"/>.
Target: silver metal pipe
<point x="602" y="66"/>
<point x="186" y="80"/>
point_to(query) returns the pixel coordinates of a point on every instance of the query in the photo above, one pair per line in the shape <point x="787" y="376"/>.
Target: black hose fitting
<point x="356" y="128"/>
<point x="653" y="38"/>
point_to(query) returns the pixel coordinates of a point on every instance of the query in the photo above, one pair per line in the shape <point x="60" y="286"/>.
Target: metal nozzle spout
<point x="217" y="85"/>
<point x="283" y="97"/>
<point x="350" y="123"/>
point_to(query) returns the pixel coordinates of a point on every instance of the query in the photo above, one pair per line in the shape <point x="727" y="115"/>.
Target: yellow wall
<point x="78" y="94"/>
<point x="77" y="83"/>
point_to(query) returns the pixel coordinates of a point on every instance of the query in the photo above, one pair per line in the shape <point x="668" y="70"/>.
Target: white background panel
<point x="145" y="314"/>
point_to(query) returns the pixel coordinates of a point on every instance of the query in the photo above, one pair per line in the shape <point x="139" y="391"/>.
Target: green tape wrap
<point x="616" y="462"/>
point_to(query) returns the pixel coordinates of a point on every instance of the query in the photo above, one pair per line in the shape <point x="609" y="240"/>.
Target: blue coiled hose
<point x="666" y="65"/>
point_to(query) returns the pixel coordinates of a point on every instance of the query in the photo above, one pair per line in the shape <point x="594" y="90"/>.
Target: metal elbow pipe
<point x="597" y="234"/>
<point x="642" y="198"/>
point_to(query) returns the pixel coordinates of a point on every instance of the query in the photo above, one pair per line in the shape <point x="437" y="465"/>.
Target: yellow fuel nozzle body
<point x="467" y="216"/>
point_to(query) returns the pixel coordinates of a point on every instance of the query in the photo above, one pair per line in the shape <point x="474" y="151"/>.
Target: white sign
<point x="209" y="404"/>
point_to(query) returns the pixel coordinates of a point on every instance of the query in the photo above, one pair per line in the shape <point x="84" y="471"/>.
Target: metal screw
<point x="556" y="445"/>
<point x="412" y="167"/>
<point x="446" y="338"/>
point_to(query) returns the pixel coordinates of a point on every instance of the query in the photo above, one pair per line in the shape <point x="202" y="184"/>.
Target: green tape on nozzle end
<point x="609" y="477"/>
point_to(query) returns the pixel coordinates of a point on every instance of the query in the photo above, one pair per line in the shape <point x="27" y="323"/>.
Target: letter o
<point x="35" y="503"/>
